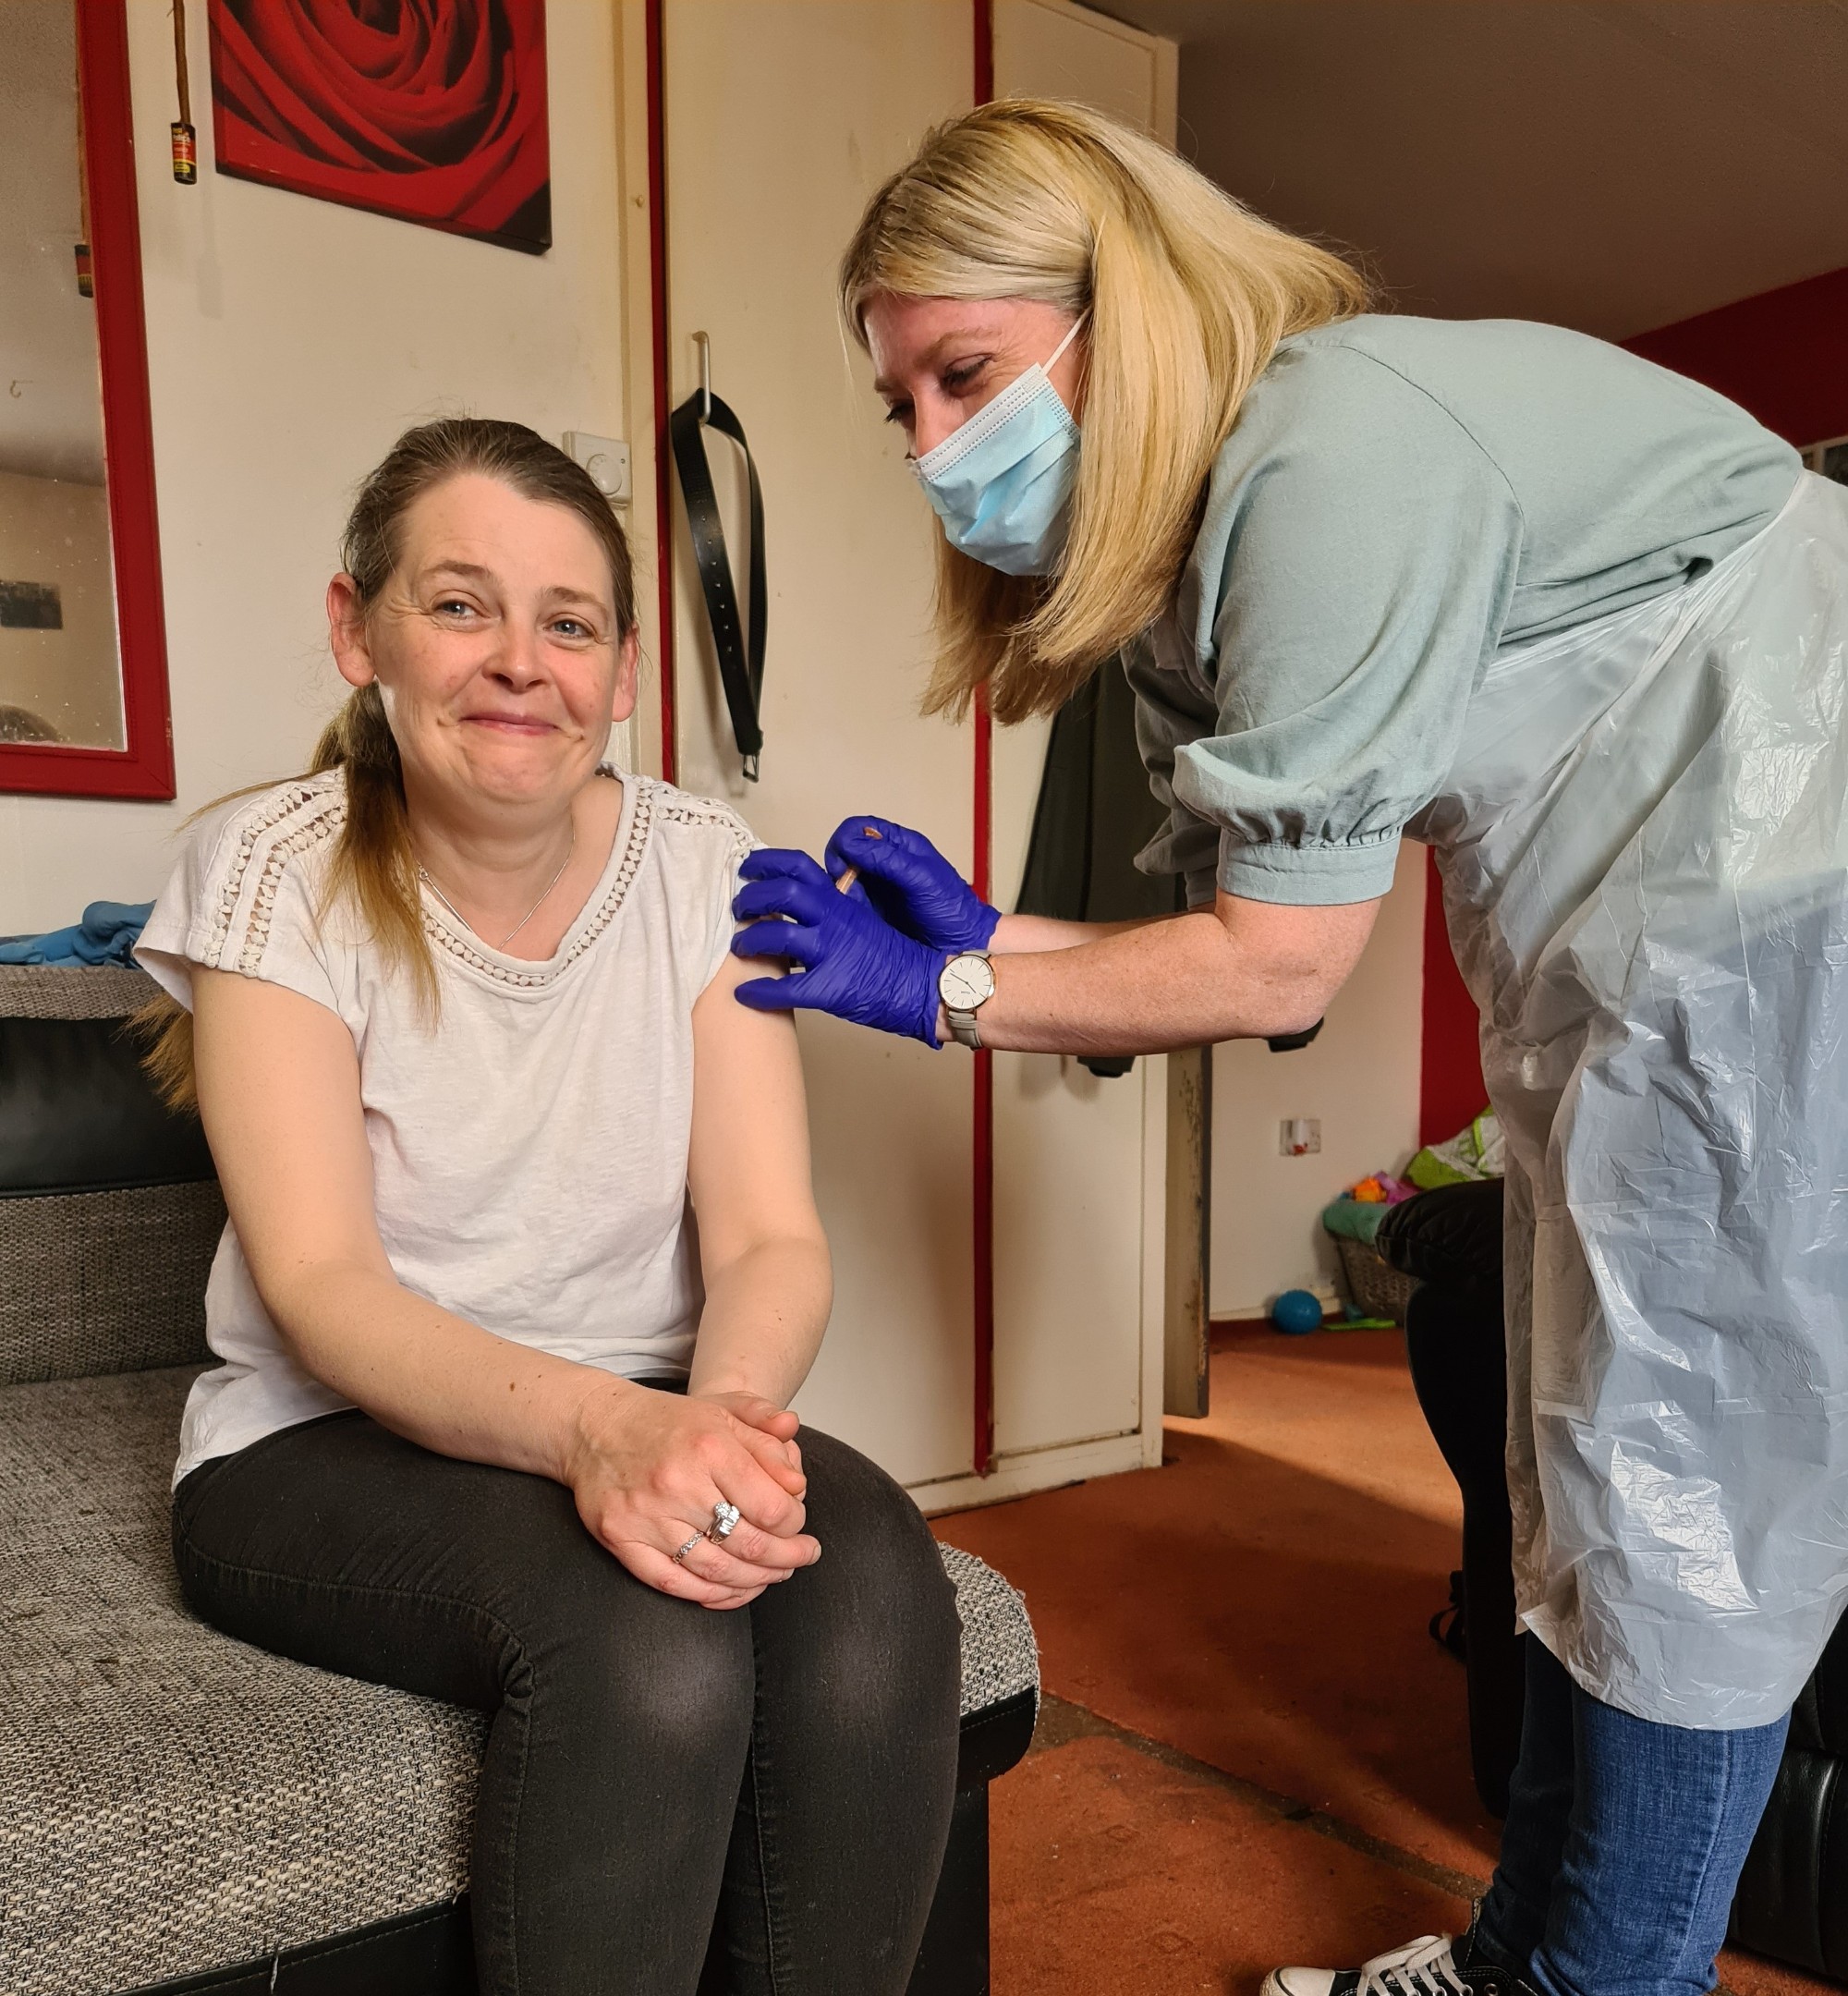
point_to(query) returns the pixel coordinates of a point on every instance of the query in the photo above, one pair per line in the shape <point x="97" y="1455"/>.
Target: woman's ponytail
<point x="375" y="861"/>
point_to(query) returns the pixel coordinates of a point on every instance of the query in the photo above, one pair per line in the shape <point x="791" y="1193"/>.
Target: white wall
<point x="1360" y="1078"/>
<point x="288" y="342"/>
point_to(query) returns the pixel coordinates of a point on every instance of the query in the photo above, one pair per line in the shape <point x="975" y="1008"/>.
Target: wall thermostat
<point x="605" y="458"/>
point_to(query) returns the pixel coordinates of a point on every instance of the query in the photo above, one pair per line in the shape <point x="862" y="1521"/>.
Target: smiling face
<point x="937" y="360"/>
<point x="495" y="646"/>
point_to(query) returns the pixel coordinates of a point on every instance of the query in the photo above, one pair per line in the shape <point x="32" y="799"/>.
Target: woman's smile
<point x="511" y="724"/>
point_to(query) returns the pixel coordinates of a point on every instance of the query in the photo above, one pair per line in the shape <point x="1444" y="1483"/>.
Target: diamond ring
<point x="685" y="1550"/>
<point x="724" y="1522"/>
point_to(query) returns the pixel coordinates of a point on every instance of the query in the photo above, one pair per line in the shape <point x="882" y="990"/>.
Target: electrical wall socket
<point x="1299" y="1135"/>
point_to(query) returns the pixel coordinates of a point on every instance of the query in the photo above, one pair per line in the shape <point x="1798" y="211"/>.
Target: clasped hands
<point x="646" y="1468"/>
<point x="871" y="956"/>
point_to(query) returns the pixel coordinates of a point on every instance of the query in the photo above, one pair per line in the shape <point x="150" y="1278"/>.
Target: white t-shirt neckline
<point x="534" y="977"/>
<point x="605" y="900"/>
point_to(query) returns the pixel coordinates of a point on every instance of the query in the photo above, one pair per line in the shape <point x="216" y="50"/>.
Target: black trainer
<point x="1437" y="1964"/>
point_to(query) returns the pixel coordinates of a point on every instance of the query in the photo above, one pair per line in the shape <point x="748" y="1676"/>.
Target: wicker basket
<point x="1377" y="1287"/>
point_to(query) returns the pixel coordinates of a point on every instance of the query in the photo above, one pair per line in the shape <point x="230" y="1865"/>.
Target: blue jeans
<point x="1624" y="1844"/>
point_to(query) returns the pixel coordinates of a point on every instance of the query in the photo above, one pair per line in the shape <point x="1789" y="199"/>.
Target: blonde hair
<point x="374" y="864"/>
<point x="1186" y="292"/>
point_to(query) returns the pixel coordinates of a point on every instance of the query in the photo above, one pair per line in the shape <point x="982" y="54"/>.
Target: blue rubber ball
<point x="1297" y="1312"/>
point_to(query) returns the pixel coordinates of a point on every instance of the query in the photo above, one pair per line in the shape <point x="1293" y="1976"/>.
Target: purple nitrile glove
<point x="852" y="963"/>
<point x="911" y="883"/>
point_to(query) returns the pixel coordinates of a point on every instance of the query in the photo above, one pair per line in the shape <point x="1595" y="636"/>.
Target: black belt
<point x="740" y="657"/>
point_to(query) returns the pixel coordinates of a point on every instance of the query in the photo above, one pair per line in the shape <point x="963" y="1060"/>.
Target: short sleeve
<point x="1366" y="548"/>
<point x="707" y="842"/>
<point x="725" y="924"/>
<point x="245" y="895"/>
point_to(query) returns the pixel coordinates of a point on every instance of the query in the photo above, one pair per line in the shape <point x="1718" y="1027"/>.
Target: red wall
<point x="1783" y="356"/>
<point x="1450" y="1079"/>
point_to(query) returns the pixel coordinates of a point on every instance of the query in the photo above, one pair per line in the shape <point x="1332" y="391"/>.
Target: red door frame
<point x="657" y="277"/>
<point x="982" y="1224"/>
<point x="983" y="1450"/>
<point x="145" y="767"/>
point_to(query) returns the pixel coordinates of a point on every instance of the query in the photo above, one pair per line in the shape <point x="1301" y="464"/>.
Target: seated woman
<point x="523" y="1268"/>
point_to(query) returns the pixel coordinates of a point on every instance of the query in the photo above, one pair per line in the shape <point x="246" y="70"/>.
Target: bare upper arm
<point x="279" y="1095"/>
<point x="1303" y="955"/>
<point x="748" y="1168"/>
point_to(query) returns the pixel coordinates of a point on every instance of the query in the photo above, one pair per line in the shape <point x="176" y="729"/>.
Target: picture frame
<point x="431" y="116"/>
<point x="111" y="264"/>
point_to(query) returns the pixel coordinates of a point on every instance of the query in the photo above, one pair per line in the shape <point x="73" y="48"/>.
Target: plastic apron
<point x="1644" y="846"/>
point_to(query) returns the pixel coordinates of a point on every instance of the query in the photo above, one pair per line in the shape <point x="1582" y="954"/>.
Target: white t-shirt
<point x="529" y="1153"/>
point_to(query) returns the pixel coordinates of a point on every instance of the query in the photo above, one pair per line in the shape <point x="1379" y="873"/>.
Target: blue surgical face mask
<point x="1001" y="482"/>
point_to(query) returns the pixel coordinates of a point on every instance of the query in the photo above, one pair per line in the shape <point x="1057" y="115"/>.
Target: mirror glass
<point x="60" y="664"/>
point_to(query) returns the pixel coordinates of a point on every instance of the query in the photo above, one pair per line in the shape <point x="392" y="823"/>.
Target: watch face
<point x="966" y="982"/>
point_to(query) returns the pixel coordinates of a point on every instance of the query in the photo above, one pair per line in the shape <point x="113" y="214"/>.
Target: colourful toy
<point x="1297" y="1312"/>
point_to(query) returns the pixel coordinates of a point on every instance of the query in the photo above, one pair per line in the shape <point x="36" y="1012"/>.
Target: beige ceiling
<point x="1610" y="164"/>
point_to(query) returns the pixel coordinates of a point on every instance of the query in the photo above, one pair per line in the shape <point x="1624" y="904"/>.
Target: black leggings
<point x="775" y="1780"/>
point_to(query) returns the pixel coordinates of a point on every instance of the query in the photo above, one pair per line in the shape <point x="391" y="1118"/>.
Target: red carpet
<point x="1267" y="1759"/>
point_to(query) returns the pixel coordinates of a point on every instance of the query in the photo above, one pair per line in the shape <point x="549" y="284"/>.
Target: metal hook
<point x="703" y="342"/>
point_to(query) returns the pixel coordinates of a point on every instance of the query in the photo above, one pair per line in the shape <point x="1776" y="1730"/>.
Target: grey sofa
<point x="180" y="1811"/>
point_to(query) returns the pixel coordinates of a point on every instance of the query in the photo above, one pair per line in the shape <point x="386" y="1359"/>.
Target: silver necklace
<point x="521" y="923"/>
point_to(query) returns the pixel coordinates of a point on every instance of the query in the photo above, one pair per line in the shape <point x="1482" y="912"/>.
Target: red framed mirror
<point x="84" y="678"/>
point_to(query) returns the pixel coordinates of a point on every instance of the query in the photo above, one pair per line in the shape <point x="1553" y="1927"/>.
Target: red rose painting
<point x="429" y="110"/>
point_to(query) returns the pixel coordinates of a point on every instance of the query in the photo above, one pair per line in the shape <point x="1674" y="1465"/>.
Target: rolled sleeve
<point x="1308" y="876"/>
<point x="1355" y="564"/>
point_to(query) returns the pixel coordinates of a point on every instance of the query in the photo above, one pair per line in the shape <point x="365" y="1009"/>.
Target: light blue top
<point x="1399" y="499"/>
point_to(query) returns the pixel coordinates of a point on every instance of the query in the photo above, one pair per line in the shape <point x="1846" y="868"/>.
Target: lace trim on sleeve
<point x="282" y="854"/>
<point x="693" y="810"/>
<point x="281" y="804"/>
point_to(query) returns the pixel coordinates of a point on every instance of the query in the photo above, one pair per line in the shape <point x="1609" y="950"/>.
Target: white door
<point x="780" y="118"/>
<point x="1081" y="1164"/>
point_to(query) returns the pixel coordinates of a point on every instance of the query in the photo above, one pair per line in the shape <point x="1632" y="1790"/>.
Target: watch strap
<point x="963" y="1028"/>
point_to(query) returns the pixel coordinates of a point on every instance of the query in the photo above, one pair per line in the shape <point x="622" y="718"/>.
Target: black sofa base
<point x="429" y="1952"/>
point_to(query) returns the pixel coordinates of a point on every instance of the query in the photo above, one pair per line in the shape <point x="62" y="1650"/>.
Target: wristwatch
<point x="964" y="984"/>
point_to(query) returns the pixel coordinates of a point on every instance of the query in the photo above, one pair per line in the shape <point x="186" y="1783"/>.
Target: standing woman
<point x="1582" y="626"/>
